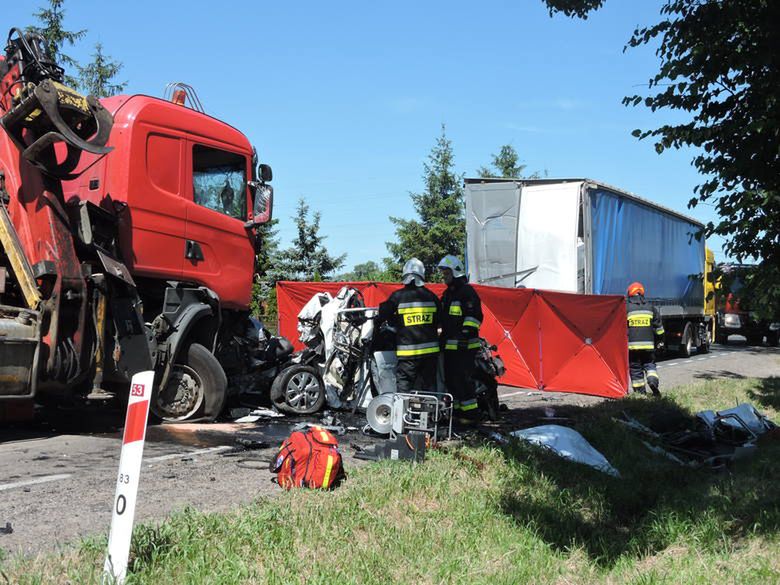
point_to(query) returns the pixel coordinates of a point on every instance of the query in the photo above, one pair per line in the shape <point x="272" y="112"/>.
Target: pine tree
<point x="97" y="77"/>
<point x="505" y="165"/>
<point x="263" y="291"/>
<point x="441" y="227"/>
<point x="307" y="258"/>
<point x="56" y="36"/>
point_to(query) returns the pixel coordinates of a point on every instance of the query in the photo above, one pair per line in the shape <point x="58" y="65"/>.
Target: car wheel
<point x="298" y="390"/>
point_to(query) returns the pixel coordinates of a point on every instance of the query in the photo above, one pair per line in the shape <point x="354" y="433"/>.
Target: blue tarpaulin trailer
<point x="580" y="235"/>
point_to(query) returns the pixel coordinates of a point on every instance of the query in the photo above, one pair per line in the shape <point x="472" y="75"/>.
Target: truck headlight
<point x="732" y="320"/>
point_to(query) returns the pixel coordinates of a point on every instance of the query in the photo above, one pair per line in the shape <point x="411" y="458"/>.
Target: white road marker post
<point x="115" y="567"/>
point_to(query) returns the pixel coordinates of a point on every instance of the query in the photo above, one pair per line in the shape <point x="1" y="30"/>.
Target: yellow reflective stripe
<point x="474" y="345"/>
<point x="659" y="331"/>
<point x="471" y="322"/>
<point x="328" y="469"/>
<point x="408" y="310"/>
<point x="423" y="351"/>
<point x="451" y="346"/>
<point x="640" y="312"/>
<point x="641" y="345"/>
<point x="456" y="310"/>
<point x="469" y="405"/>
<point x="638" y="384"/>
<point x="651" y="374"/>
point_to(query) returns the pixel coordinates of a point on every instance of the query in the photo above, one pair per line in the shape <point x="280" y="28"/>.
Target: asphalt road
<point x="57" y="478"/>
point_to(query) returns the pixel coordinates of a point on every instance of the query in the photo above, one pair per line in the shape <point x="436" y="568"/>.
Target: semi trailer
<point x="128" y="235"/>
<point x="584" y="236"/>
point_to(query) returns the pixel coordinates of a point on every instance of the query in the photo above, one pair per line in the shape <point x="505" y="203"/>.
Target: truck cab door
<point x="218" y="250"/>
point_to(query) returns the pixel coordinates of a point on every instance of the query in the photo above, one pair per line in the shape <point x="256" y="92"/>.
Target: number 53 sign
<point x="115" y="568"/>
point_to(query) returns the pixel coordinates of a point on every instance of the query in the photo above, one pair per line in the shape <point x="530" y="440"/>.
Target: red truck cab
<point x="183" y="179"/>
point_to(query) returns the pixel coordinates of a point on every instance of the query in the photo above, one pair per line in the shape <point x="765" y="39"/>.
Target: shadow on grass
<point x="655" y="502"/>
<point x="767" y="394"/>
<point x="716" y="375"/>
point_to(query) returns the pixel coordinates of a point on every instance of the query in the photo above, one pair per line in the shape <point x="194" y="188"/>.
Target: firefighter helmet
<point x="454" y="264"/>
<point x="414" y="271"/>
<point x="635" y="288"/>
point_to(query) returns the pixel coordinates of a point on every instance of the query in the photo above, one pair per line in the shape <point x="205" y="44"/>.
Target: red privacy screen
<point x="558" y="342"/>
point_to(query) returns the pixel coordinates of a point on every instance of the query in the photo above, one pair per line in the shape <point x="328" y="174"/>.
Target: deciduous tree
<point x="720" y="66"/>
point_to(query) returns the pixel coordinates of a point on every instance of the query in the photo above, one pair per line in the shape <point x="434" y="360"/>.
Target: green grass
<point x="480" y="514"/>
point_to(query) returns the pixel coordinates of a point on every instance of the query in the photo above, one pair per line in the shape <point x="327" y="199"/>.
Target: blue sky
<point x="345" y="100"/>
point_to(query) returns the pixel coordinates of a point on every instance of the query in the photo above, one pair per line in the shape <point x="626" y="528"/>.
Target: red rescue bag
<point x="310" y="459"/>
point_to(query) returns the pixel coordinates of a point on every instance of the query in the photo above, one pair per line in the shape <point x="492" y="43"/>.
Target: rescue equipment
<point x="309" y="459"/>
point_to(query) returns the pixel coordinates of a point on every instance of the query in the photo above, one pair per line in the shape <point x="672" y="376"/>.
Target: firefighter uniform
<point x="644" y="325"/>
<point x="461" y="319"/>
<point x="413" y="312"/>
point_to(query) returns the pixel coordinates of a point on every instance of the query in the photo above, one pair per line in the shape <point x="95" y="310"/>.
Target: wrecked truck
<point x="128" y="235"/>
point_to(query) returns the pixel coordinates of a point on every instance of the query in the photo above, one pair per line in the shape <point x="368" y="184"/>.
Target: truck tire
<point x="686" y="341"/>
<point x="772" y="338"/>
<point x="298" y="389"/>
<point x="196" y="389"/>
<point x="754" y="339"/>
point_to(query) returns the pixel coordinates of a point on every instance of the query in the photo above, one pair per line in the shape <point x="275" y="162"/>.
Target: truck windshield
<point x="219" y="180"/>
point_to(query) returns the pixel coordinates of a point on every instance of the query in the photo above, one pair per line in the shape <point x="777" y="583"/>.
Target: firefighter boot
<point x="653" y="383"/>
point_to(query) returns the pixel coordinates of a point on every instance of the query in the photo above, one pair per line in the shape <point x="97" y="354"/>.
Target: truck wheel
<point x="772" y="338"/>
<point x="705" y="342"/>
<point x="298" y="390"/>
<point x="754" y="339"/>
<point x="686" y="342"/>
<point x="196" y="388"/>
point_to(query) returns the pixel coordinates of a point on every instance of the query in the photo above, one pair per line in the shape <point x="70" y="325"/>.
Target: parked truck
<point x="128" y="233"/>
<point x="583" y="236"/>
<point x="734" y="315"/>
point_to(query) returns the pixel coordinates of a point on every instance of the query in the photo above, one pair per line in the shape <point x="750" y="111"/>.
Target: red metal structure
<point x="128" y="236"/>
<point x="557" y="342"/>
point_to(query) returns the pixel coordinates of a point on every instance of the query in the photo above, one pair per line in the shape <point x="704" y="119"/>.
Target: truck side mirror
<point x="264" y="203"/>
<point x="265" y="173"/>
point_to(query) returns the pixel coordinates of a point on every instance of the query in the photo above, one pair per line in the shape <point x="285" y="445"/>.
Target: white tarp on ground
<point x="567" y="443"/>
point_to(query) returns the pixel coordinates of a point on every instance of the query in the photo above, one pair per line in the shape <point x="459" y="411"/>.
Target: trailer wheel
<point x="196" y="388"/>
<point x="686" y="342"/>
<point x="706" y="341"/>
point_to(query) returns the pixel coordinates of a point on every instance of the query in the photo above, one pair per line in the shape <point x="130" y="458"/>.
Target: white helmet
<point x="454" y="264"/>
<point x="414" y="271"/>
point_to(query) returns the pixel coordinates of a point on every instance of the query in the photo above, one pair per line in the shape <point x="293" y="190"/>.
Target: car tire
<point x="298" y="389"/>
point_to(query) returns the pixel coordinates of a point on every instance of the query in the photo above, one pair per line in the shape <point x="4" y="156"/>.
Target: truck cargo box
<point x="579" y="235"/>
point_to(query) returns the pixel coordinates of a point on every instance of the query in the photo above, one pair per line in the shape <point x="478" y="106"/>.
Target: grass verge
<point x="480" y="514"/>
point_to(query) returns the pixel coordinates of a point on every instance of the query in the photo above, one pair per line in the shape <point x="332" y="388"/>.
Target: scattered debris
<point x="244" y="415"/>
<point x="250" y="444"/>
<point x="7" y="529"/>
<point x="567" y="443"/>
<point x="717" y="438"/>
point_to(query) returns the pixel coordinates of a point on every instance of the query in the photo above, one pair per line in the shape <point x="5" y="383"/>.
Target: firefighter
<point x="413" y="312"/>
<point x="644" y="328"/>
<point x="461" y="318"/>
